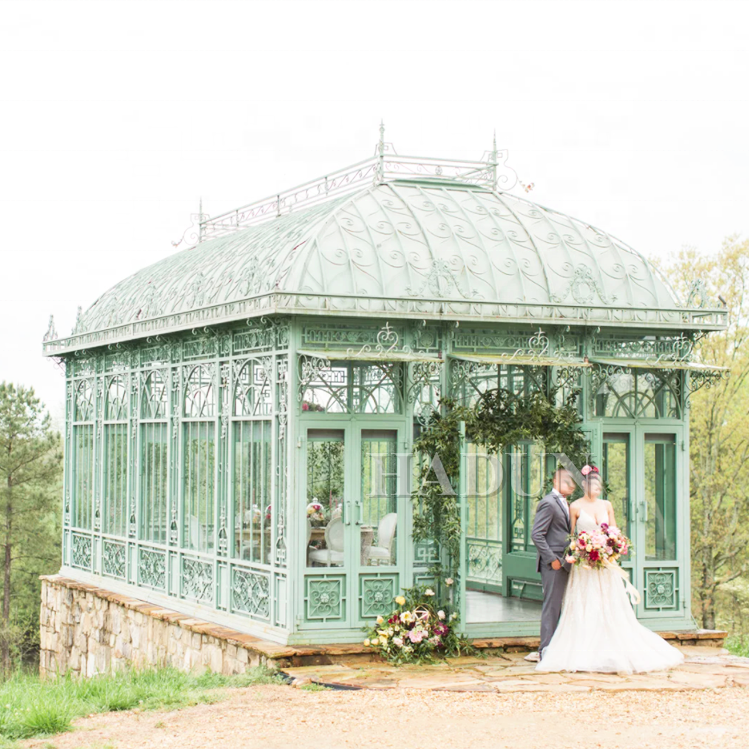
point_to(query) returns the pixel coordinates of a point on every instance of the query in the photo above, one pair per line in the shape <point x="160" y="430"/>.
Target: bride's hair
<point x="590" y="474"/>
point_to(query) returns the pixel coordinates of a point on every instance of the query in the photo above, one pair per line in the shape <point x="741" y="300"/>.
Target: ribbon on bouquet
<point x="632" y="592"/>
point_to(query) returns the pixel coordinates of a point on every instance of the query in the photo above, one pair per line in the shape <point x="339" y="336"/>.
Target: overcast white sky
<point x="116" y="117"/>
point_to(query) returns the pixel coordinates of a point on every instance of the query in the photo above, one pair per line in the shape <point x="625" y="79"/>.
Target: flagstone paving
<point x="705" y="667"/>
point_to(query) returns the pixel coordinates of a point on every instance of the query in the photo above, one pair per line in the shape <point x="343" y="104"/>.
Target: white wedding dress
<point x="598" y="629"/>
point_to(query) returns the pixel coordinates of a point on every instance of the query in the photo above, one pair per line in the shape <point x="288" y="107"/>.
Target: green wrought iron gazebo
<point x="240" y="415"/>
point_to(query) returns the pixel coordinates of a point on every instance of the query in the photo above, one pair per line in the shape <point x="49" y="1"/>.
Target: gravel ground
<point x="272" y="717"/>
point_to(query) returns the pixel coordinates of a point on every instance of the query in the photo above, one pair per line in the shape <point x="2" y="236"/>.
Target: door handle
<point x="360" y="515"/>
<point x="644" y="511"/>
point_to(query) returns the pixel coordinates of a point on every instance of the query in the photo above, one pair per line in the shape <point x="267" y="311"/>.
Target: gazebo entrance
<point x="502" y="584"/>
<point x="643" y="465"/>
<point x="355" y="514"/>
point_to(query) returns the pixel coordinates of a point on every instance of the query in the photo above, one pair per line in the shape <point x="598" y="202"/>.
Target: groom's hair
<point x="562" y="472"/>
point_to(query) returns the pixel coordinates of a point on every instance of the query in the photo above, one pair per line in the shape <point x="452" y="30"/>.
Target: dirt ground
<point x="272" y="717"/>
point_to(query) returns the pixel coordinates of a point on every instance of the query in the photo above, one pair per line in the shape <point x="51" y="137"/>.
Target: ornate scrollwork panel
<point x="250" y="593"/>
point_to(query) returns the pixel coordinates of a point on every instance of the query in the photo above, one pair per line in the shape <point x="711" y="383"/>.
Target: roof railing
<point x="492" y="173"/>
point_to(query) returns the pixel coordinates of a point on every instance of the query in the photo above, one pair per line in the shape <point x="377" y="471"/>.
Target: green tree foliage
<point x="719" y="453"/>
<point x="500" y="419"/>
<point x="30" y="483"/>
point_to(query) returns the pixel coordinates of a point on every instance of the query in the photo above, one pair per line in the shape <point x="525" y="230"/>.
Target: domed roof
<point x="409" y="247"/>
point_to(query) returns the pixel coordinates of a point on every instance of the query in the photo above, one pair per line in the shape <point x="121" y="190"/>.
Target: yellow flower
<point x="400" y="600"/>
<point x="380" y="620"/>
<point x="384" y="640"/>
<point x="366" y="642"/>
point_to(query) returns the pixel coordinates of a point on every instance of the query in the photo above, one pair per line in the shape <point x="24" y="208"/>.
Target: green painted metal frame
<point x="268" y="599"/>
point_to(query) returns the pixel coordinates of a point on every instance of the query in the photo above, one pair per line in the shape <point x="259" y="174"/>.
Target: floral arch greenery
<point x="500" y="419"/>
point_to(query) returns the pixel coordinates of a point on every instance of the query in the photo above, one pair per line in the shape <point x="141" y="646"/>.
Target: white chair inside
<point x="333" y="553"/>
<point x="383" y="552"/>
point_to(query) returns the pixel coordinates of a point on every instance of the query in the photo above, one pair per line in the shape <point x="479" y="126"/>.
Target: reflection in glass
<point x="631" y="395"/>
<point x="252" y="505"/>
<point x="115" y="479"/>
<point x="660" y="496"/>
<point x="153" y="482"/>
<point x="83" y="475"/>
<point x="355" y="387"/>
<point x="524" y="488"/>
<point x="378" y="518"/>
<point x="199" y="485"/>
<point x="484" y="532"/>
<point x="325" y="483"/>
<point x="615" y="472"/>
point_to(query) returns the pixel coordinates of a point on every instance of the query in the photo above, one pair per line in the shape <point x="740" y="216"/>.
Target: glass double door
<point x="643" y="468"/>
<point x="350" y="498"/>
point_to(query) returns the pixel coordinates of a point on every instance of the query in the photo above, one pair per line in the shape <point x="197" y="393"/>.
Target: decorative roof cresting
<point x="437" y="239"/>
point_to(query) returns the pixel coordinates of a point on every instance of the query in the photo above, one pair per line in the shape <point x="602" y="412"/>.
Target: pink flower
<point x="570" y="560"/>
<point x="416" y="635"/>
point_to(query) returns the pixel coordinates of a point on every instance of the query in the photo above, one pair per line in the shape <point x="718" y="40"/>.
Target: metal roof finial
<point x="200" y="219"/>
<point x="493" y="160"/>
<point x="381" y="153"/>
<point x="51" y="334"/>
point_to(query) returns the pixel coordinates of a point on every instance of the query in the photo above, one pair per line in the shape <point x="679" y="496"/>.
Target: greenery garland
<point x="500" y="419"/>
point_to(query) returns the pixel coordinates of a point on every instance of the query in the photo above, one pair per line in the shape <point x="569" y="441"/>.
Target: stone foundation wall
<point x="88" y="630"/>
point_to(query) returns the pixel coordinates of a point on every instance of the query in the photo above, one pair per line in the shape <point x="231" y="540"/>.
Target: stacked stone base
<point x="87" y="631"/>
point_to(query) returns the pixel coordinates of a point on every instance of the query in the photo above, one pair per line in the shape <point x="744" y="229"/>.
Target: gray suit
<point x="550" y="534"/>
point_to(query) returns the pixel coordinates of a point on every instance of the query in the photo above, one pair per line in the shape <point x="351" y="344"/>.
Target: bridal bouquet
<point x="597" y="548"/>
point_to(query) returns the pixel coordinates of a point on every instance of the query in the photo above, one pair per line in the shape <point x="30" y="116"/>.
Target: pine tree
<point x="30" y="483"/>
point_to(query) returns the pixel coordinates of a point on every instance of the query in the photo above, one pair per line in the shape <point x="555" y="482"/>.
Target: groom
<point x="550" y="534"/>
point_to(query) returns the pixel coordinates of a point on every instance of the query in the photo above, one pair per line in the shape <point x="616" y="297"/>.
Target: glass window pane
<point x="524" y="488"/>
<point x="153" y="397"/>
<point x="199" y="485"/>
<point x="328" y="391"/>
<point x="252" y="390"/>
<point x="616" y="396"/>
<point x="377" y="388"/>
<point x="83" y="475"/>
<point x="115" y="479"/>
<point x="153" y="482"/>
<point x="615" y="472"/>
<point x="377" y="506"/>
<point x="484" y="497"/>
<point x="252" y="504"/>
<point x="660" y="496"/>
<point x="325" y="486"/>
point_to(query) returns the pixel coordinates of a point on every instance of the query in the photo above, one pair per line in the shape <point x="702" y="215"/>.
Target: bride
<point x="598" y="629"/>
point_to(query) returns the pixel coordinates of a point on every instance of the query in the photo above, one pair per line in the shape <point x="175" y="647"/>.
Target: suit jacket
<point x="551" y="531"/>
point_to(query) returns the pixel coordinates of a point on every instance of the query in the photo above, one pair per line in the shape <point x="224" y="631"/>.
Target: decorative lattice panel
<point x="113" y="559"/>
<point x="376" y="594"/>
<point x="325" y="598"/>
<point x="81" y="551"/>
<point x="485" y="561"/>
<point x="250" y="593"/>
<point x="197" y="580"/>
<point x="661" y="589"/>
<point x="152" y="568"/>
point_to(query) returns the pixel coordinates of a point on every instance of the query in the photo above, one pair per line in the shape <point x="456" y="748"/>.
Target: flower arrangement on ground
<point x="419" y="629"/>
<point x="599" y="548"/>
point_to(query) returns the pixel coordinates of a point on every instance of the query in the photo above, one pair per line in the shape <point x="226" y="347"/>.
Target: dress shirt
<point x="562" y="501"/>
